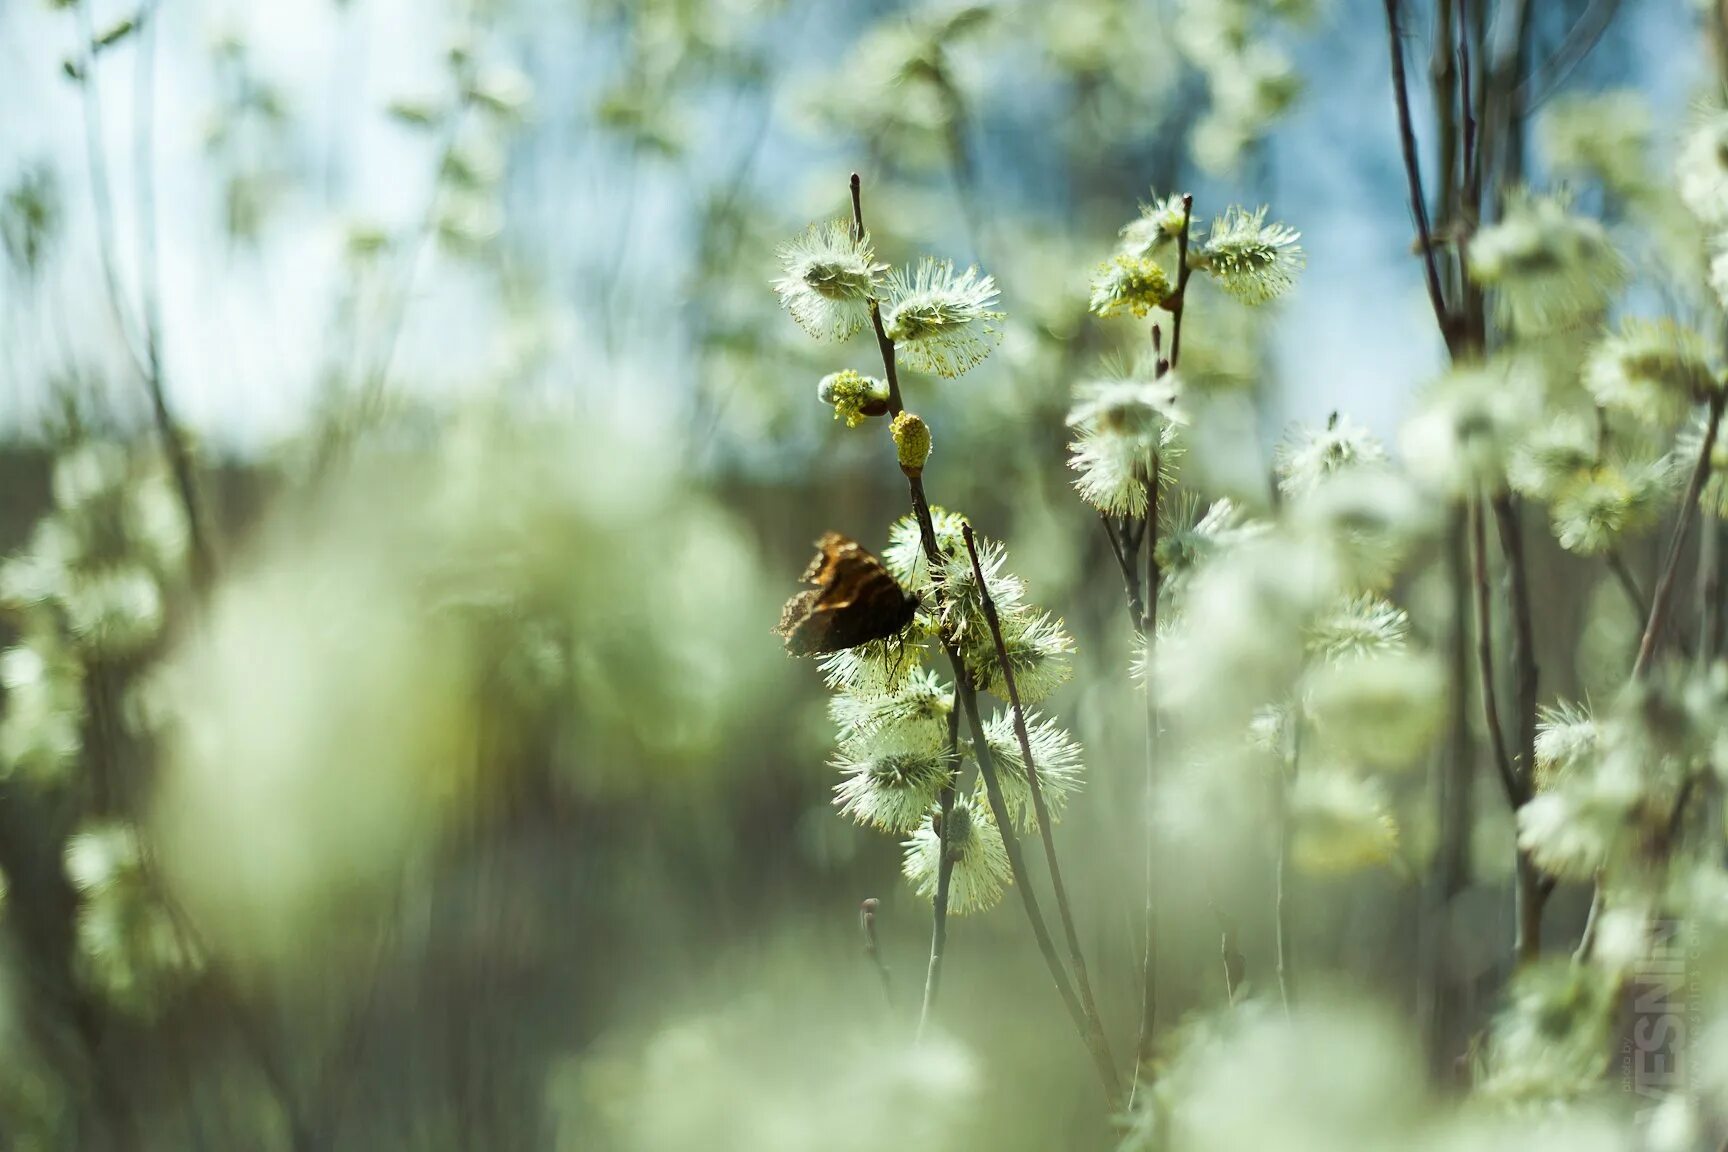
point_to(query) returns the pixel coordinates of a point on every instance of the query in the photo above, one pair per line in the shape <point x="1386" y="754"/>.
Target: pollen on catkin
<point x="911" y="443"/>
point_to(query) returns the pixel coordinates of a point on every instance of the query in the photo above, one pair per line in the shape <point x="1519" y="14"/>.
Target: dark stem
<point x="1585" y="34"/>
<point x="1413" y="174"/>
<point x="1089" y="1033"/>
<point x="944" y="871"/>
<point x="1149" y="633"/>
<point x="1523" y="655"/>
<point x="1532" y="888"/>
<point x="1663" y="597"/>
<point x="1121" y="549"/>
<point x="883" y="344"/>
<point x="1443" y="82"/>
<point x="1467" y="97"/>
<point x="1485" y="657"/>
<point x="1454" y="790"/>
<point x="1181" y="293"/>
<point x="1628" y="582"/>
<point x="873" y="947"/>
<point x="1046" y="832"/>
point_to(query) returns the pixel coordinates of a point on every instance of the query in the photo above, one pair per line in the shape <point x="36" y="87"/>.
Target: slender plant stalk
<point x="944" y="871"/>
<point x="1146" y="612"/>
<point x="1090" y="1030"/>
<point x="1532" y="887"/>
<point x="1179" y="298"/>
<point x="1046" y="832"/>
<point x="1281" y="906"/>
<point x="1443" y="82"/>
<point x="1662" y="599"/>
<point x="1091" y="1033"/>
<point x="1485" y="657"/>
<point x="1628" y="583"/>
<point x="148" y="361"/>
<point x="1661" y="602"/>
<point x="873" y="947"/>
<point x="1149" y="910"/>
<point x="1413" y="174"/>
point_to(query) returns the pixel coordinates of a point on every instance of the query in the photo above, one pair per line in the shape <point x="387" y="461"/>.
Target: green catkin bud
<point x="912" y="441"/>
<point x="853" y="396"/>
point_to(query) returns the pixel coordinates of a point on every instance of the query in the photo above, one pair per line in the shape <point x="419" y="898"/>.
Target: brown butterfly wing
<point x="855" y="600"/>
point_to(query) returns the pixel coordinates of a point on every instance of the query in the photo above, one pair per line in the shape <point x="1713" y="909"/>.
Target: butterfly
<point x="852" y="600"/>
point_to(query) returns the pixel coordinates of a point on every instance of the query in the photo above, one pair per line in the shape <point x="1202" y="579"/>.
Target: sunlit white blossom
<point x="1252" y="260"/>
<point x="1157" y="227"/>
<point x="1653" y="371"/>
<point x="1308" y="455"/>
<point x="1055" y="753"/>
<point x="1548" y="268"/>
<point x="941" y="321"/>
<point x="974" y="844"/>
<point x="1468" y="424"/>
<point x="1596" y="507"/>
<point x="888" y="788"/>
<point x="1566" y="737"/>
<point x="1363" y="625"/>
<point x="830" y="278"/>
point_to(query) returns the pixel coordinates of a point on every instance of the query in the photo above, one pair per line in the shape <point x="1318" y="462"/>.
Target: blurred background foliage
<point x="439" y="783"/>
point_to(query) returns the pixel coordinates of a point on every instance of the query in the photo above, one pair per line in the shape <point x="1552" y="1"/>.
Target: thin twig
<point x="1046" y="833"/>
<point x="1443" y="82"/>
<point x="150" y="294"/>
<point x="101" y="194"/>
<point x="944" y="871"/>
<point x="1091" y="1035"/>
<point x="1485" y="656"/>
<point x="1130" y="571"/>
<point x="1149" y="632"/>
<point x="1467" y="99"/>
<point x="1663" y="597"/>
<point x="1523" y="654"/>
<point x="1413" y="174"/>
<point x="1282" y="785"/>
<point x="867" y="910"/>
<point x="883" y="344"/>
<point x="1183" y="271"/>
<point x="1628" y="582"/>
<point x="1531" y="892"/>
<point x="1584" y="35"/>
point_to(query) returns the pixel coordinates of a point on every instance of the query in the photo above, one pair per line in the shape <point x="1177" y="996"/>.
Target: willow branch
<point x="1046" y="833"/>
<point x="1583" y="37"/>
<point x="1485" y="657"/>
<point x="1413" y="173"/>
<point x="944" y="870"/>
<point x="1183" y="271"/>
<point x="1662" y="599"/>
